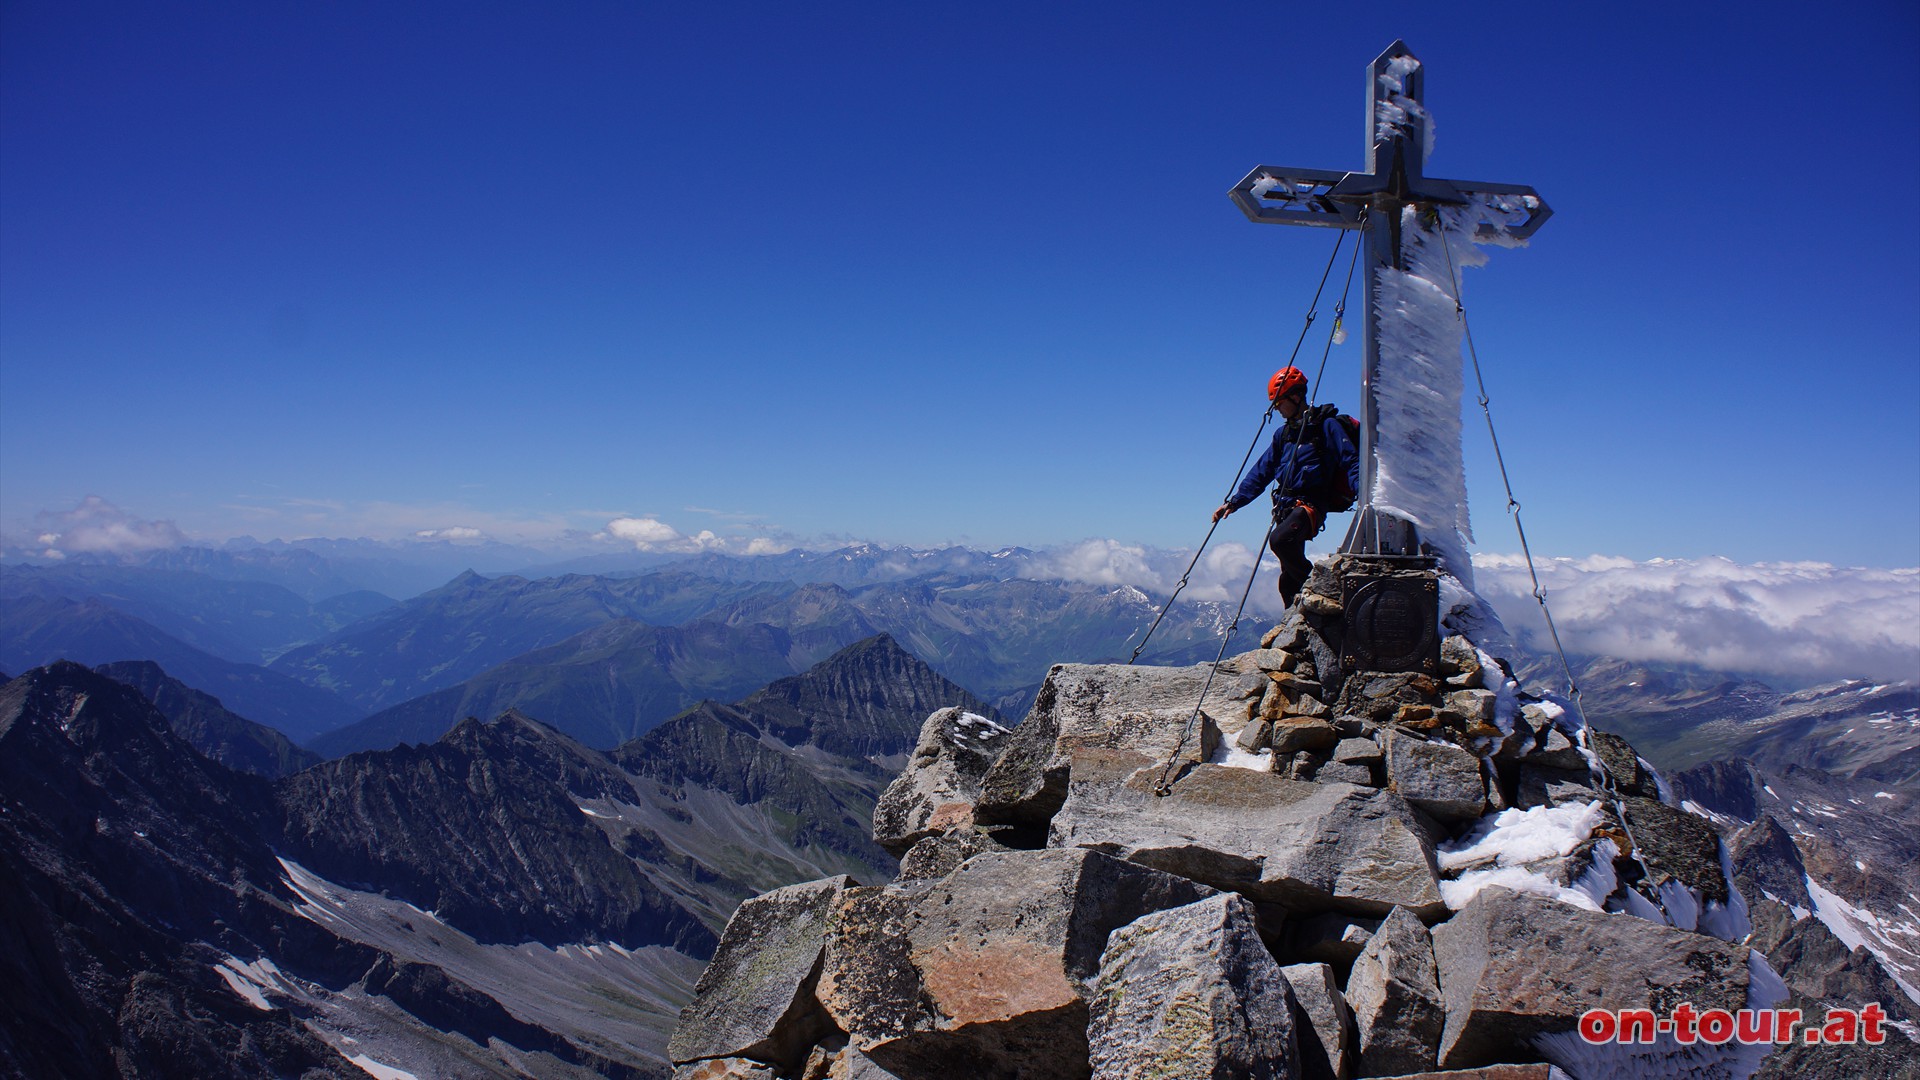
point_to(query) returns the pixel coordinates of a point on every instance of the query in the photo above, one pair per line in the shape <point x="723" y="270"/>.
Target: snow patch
<point x="1600" y="879"/>
<point x="1506" y="692"/>
<point x="1765" y="988"/>
<point x="1640" y="907"/>
<point x="1857" y="927"/>
<point x="1513" y="837"/>
<point x="1728" y="922"/>
<point x="1661" y="789"/>
<point x="243" y="986"/>
<point x="1697" y="810"/>
<point x="1503" y="849"/>
<point x="379" y="1071"/>
<point x="1230" y="755"/>
<point x="974" y="726"/>
<point x="1681" y="904"/>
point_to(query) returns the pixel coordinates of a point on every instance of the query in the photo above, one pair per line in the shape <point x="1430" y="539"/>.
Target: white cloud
<point x="97" y="526"/>
<point x="456" y="532"/>
<point x="1097" y="562"/>
<point x="646" y="534"/>
<point x="1220" y="575"/>
<point x="1809" y="620"/>
<point x="652" y="534"/>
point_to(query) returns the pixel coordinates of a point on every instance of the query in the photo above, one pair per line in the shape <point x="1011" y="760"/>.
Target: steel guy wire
<point x="1539" y="594"/>
<point x="1161" y="787"/>
<point x="1313" y="312"/>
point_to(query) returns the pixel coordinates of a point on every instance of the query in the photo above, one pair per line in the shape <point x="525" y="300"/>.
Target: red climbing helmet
<point x="1288" y="380"/>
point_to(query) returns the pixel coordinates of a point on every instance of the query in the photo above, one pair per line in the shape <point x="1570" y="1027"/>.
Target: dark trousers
<point x="1292" y="528"/>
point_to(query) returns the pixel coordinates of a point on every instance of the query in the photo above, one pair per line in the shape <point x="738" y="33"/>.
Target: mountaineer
<point x="1314" y="467"/>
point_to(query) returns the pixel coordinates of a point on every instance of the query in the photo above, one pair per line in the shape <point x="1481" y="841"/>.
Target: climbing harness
<point x="1539" y="593"/>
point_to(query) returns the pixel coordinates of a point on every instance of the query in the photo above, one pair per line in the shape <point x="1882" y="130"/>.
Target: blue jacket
<point x="1293" y="464"/>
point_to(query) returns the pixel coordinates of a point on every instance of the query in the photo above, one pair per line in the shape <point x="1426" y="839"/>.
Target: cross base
<point x="1376" y="532"/>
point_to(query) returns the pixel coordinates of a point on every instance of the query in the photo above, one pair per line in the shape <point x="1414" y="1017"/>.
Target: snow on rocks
<point x="941" y="781"/>
<point x="1524" y="850"/>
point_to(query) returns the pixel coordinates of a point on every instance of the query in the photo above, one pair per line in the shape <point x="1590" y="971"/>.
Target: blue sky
<point x="925" y="274"/>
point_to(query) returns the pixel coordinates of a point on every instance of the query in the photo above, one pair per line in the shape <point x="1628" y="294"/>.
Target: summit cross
<point x="1375" y="201"/>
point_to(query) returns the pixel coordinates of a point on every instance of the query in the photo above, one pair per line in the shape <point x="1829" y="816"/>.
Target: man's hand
<point x="1223" y="511"/>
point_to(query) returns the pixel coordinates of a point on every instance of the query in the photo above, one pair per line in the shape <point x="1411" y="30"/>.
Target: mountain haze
<point x="209" y="726"/>
<point x="40" y="630"/>
<point x="472" y="623"/>
<point x="622" y="670"/>
<point x="244" y="621"/>
<point x="602" y="686"/>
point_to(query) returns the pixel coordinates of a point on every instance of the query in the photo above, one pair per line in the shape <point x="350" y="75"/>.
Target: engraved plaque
<point x="1393" y="624"/>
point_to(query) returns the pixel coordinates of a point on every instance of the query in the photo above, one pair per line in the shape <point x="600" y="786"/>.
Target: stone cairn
<point x="1294" y="884"/>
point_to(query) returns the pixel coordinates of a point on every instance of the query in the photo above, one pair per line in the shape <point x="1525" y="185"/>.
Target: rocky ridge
<point x="1276" y="867"/>
<point x="212" y="729"/>
<point x="502" y="902"/>
<point x="1827" y="864"/>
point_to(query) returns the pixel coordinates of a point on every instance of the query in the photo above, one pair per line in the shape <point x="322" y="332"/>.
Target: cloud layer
<point x="1801" y="620"/>
<point x="1787" y="620"/>
<point x="98" y="527"/>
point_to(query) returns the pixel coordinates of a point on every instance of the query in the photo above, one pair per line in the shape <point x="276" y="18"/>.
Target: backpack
<point x="1338" y="496"/>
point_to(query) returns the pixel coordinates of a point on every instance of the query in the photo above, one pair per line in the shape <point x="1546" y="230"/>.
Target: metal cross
<point x="1395" y="177"/>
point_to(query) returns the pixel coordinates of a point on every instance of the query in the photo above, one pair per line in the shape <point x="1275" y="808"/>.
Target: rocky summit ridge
<point x="1273" y="867"/>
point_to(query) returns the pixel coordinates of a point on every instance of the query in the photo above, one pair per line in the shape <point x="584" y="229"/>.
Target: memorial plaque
<point x="1393" y="623"/>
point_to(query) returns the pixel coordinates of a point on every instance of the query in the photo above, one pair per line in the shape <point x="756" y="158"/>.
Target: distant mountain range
<point x="604" y="657"/>
<point x="501" y="902"/>
<point x="472" y="623"/>
<point x="614" y="680"/>
<point x="603" y="686"/>
<point x="39" y="630"/>
<point x="244" y="620"/>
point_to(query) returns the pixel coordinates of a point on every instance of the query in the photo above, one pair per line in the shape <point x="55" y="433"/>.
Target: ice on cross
<point x="1419" y="233"/>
